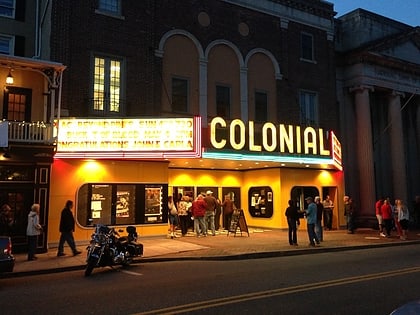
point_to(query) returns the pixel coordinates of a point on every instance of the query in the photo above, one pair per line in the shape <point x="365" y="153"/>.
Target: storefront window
<point x="16" y="173"/>
<point x="121" y="204"/>
<point x="260" y="201"/>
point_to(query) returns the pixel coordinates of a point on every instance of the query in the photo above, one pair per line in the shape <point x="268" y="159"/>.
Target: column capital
<point x="243" y="70"/>
<point x="361" y="88"/>
<point x="203" y="61"/>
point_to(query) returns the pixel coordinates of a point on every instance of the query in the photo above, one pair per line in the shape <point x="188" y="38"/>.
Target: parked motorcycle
<point x="107" y="248"/>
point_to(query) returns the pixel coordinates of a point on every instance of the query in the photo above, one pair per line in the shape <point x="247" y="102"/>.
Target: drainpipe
<point x="60" y="85"/>
<point x="39" y="23"/>
<point x="36" y="29"/>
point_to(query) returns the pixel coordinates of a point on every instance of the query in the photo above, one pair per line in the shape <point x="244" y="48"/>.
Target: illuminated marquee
<point x="272" y="138"/>
<point x="336" y="151"/>
<point x="129" y="138"/>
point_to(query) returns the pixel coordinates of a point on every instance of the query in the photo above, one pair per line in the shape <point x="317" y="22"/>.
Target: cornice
<point x="315" y="13"/>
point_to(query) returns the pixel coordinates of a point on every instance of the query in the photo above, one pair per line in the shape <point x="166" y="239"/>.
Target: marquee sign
<point x="272" y="142"/>
<point x="130" y="138"/>
<point x="157" y="138"/>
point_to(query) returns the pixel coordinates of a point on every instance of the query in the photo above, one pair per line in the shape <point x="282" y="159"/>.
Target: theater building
<point x="229" y="63"/>
<point x="119" y="178"/>
<point x="257" y="78"/>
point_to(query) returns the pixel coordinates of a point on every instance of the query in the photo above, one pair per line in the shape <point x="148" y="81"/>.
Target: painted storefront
<point x="120" y="171"/>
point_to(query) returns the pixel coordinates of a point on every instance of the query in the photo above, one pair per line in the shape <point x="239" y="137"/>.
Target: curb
<point x="243" y="256"/>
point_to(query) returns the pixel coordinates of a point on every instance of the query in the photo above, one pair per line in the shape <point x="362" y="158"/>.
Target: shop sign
<point x="280" y="138"/>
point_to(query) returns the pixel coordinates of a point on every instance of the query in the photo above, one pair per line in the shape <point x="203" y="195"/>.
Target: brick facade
<point x="78" y="32"/>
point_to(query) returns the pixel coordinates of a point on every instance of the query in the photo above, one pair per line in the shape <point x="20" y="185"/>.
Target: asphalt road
<point x="369" y="281"/>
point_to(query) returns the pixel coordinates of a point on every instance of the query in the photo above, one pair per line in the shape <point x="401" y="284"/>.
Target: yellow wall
<point x="279" y="179"/>
<point x="265" y="177"/>
<point x="318" y="179"/>
<point x="186" y="177"/>
<point x="68" y="175"/>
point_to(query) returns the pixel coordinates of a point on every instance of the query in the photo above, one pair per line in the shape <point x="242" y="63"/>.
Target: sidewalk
<point x="260" y="243"/>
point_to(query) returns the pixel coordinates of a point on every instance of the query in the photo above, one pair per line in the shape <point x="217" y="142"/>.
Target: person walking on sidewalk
<point x="311" y="221"/>
<point x="33" y="230"/>
<point x="67" y="224"/>
<point x="292" y="221"/>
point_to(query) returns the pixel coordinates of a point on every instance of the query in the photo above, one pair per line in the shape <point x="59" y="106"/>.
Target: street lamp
<point x="9" y="78"/>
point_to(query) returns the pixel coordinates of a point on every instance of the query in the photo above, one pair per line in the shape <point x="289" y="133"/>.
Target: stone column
<point x="418" y="127"/>
<point x="364" y="149"/>
<point x="399" y="176"/>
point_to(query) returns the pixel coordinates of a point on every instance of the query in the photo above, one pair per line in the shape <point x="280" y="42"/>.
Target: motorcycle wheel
<point x="127" y="262"/>
<point x="89" y="268"/>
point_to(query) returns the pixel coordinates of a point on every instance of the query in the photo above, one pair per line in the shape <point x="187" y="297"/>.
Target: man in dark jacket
<point x="211" y="204"/>
<point x="319" y="213"/>
<point x="66" y="229"/>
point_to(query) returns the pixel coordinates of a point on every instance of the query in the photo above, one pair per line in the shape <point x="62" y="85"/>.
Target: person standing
<point x="228" y="207"/>
<point x="33" y="230"/>
<point x="319" y="213"/>
<point x="183" y="214"/>
<point x="217" y="214"/>
<point x="311" y="213"/>
<point x="292" y="216"/>
<point x="386" y="212"/>
<point x="403" y="217"/>
<point x="211" y="204"/>
<point x="172" y="217"/>
<point x="378" y="213"/>
<point x="395" y="220"/>
<point x="349" y="213"/>
<point x="328" y="213"/>
<point x="67" y="224"/>
<point x="198" y="211"/>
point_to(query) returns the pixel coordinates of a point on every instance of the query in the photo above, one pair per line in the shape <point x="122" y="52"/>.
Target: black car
<point x="7" y="261"/>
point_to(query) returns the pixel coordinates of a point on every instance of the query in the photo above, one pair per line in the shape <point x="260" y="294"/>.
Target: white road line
<point x="131" y="273"/>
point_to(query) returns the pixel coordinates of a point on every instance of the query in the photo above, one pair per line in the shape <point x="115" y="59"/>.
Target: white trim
<point x="273" y="59"/>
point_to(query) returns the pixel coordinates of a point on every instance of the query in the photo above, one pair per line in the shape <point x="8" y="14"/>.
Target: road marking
<point x="276" y="292"/>
<point x="131" y="272"/>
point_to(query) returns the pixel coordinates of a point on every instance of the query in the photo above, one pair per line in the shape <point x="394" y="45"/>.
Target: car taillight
<point x="8" y="249"/>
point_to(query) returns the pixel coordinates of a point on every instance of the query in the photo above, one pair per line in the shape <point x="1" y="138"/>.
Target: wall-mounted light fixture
<point x="9" y="78"/>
